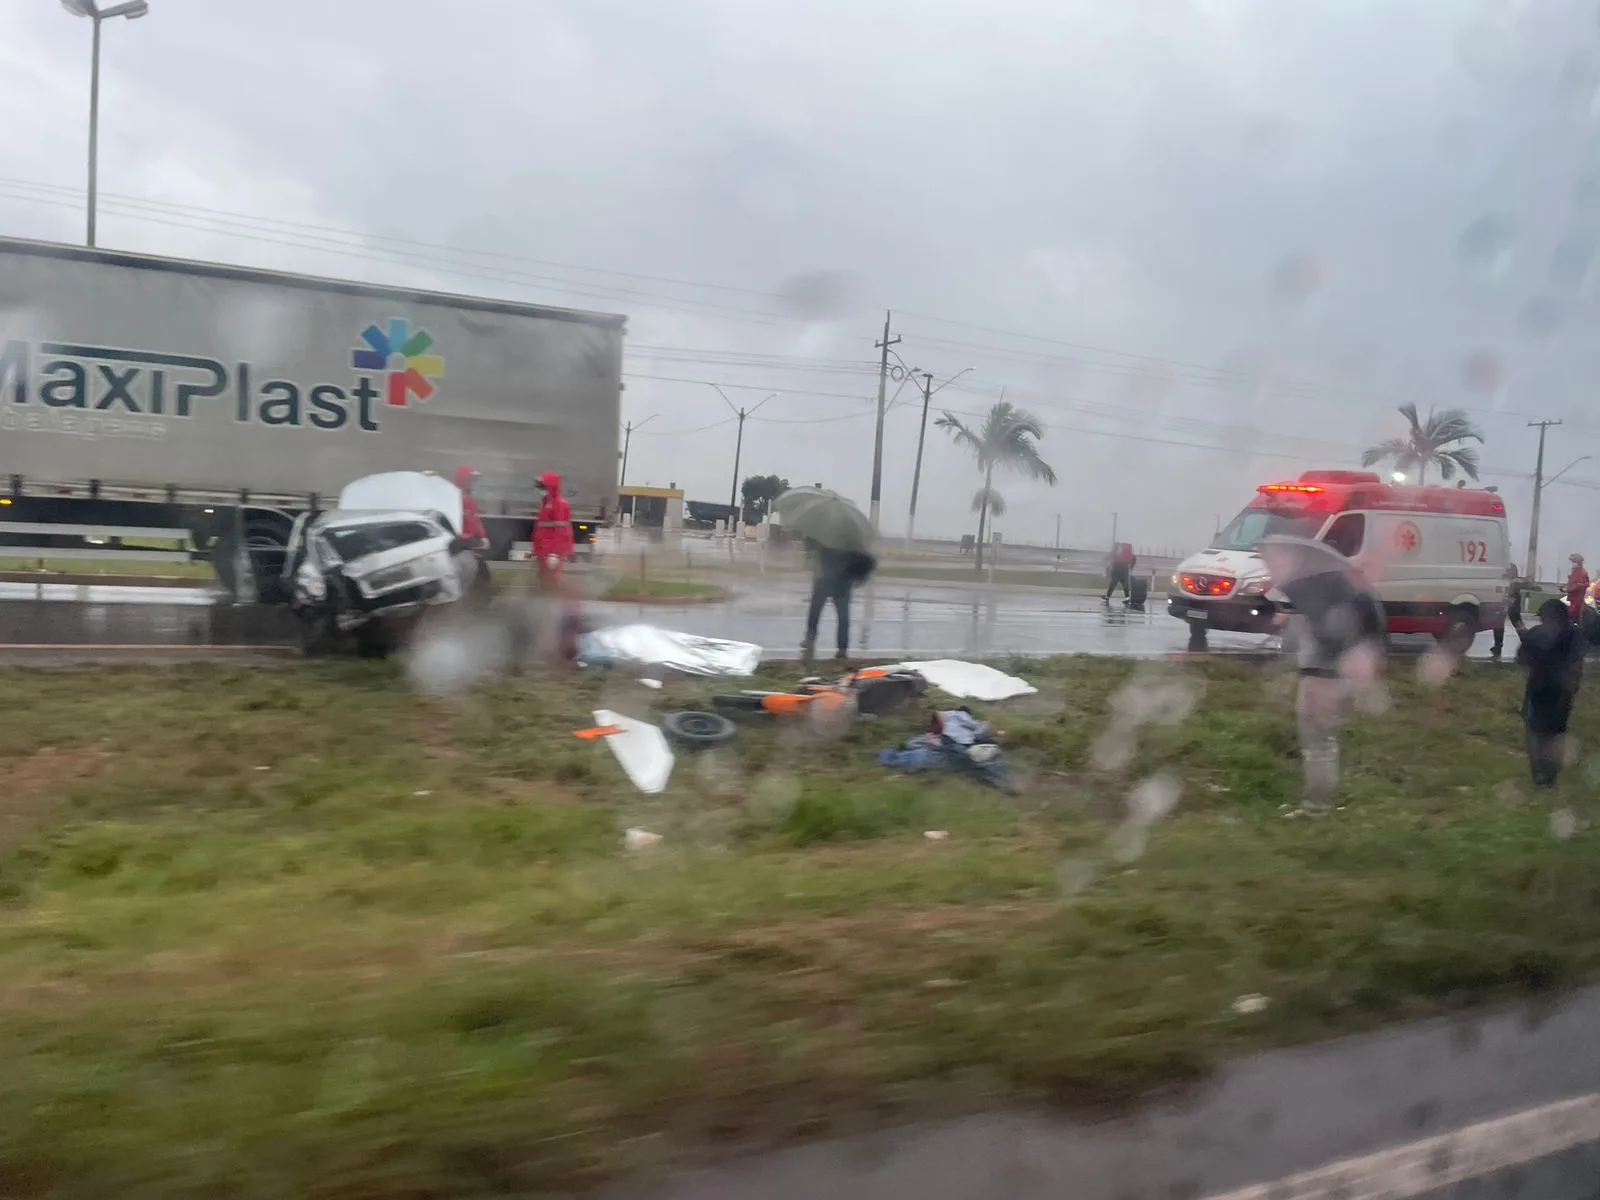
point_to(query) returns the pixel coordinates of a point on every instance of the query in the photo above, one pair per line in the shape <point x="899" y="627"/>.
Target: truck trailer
<point x="146" y="397"/>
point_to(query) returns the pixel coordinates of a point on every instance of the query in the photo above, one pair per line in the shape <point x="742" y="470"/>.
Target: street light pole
<point x="928" y="391"/>
<point x="94" y="129"/>
<point x="132" y="10"/>
<point x="1538" y="493"/>
<point x="627" y="437"/>
<point x="738" y="451"/>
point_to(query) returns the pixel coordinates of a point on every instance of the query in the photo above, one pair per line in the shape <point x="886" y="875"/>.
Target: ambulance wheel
<point x="1460" y="628"/>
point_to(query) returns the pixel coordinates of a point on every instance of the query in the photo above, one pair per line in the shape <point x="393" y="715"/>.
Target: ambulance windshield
<point x="1246" y="530"/>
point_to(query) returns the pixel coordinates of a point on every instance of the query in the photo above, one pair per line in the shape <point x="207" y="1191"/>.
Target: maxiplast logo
<point x="118" y="391"/>
<point x="404" y="355"/>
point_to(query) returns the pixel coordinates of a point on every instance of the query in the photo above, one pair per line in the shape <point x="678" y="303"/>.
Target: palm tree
<point x="1429" y="443"/>
<point x="1008" y="440"/>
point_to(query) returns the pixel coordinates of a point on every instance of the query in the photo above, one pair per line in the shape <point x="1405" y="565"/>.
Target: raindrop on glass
<point x="1299" y="277"/>
<point x="1486" y="243"/>
<point x="1570" y="261"/>
<point x="1541" y="317"/>
<point x="1483" y="372"/>
<point x="818" y="295"/>
<point x="1074" y="875"/>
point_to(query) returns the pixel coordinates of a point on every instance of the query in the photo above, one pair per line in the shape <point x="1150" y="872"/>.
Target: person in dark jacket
<point x="1119" y="570"/>
<point x="1514" y="586"/>
<point x="834" y="574"/>
<point x="1552" y="654"/>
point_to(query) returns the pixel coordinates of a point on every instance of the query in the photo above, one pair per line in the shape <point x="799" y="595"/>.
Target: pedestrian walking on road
<point x="1552" y="654"/>
<point x="1119" y="570"/>
<point x="1577" y="589"/>
<point x="834" y="575"/>
<point x="1513" y="609"/>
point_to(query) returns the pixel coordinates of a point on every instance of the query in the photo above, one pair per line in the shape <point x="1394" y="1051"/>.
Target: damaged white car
<point x="363" y="572"/>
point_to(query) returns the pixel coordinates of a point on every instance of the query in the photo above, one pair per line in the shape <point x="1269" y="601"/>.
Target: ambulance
<point x="1435" y="556"/>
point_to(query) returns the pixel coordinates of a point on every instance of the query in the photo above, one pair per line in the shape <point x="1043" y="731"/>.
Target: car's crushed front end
<point x="368" y="573"/>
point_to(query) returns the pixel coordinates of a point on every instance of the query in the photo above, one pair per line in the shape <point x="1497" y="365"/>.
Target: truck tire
<point x="1460" y="629"/>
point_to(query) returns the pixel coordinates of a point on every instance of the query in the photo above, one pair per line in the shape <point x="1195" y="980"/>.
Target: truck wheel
<point x="1460" y="628"/>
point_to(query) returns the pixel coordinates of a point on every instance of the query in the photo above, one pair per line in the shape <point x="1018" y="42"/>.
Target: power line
<point x="303" y="235"/>
<point x="74" y="195"/>
<point x="331" y="245"/>
<point x="686" y="432"/>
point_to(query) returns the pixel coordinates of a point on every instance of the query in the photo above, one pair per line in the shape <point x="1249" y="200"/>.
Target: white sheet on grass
<point x="970" y="681"/>
<point x="641" y="750"/>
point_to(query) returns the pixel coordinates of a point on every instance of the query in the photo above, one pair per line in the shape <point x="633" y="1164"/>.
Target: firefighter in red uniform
<point x="552" y="531"/>
<point x="1577" y="589"/>
<point x="552" y="546"/>
<point x="472" y="526"/>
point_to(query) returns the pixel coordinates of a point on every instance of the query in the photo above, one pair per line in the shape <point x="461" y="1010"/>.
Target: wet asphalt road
<point x="889" y="619"/>
<point x="1264" y="1121"/>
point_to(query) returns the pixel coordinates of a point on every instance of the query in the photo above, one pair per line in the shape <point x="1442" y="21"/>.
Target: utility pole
<point x="1113" y="529"/>
<point x="1538" y="491"/>
<point x="627" y="436"/>
<point x="928" y="391"/>
<point x="877" y="443"/>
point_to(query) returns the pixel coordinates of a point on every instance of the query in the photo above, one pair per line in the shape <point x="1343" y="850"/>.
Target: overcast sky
<point x="1208" y="242"/>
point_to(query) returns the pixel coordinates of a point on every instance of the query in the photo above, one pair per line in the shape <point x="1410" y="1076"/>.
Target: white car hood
<point x="401" y="492"/>
<point x="1240" y="564"/>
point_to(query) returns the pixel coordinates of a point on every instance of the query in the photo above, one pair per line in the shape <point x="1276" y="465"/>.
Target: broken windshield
<point x="357" y="541"/>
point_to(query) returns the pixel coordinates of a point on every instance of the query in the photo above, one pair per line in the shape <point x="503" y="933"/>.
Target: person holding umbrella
<point x="1552" y="654"/>
<point x="1341" y="652"/>
<point x="838" y="541"/>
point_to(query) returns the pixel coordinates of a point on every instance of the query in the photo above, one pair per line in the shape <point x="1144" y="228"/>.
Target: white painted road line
<point x="1421" y="1168"/>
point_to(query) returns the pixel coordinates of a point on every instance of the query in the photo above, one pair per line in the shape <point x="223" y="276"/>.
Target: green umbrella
<point x="825" y="517"/>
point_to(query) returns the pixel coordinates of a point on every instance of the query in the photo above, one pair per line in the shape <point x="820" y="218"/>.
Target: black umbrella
<point x="1324" y="587"/>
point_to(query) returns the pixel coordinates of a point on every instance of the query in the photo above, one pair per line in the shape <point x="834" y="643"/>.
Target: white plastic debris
<point x="263" y="768"/>
<point x="937" y="835"/>
<point x="969" y="681"/>
<point x="641" y="750"/>
<point x="638" y="839"/>
<point x="422" y="793"/>
<point x="653" y="684"/>
<point x="651" y="646"/>
<point x="1250" y="1003"/>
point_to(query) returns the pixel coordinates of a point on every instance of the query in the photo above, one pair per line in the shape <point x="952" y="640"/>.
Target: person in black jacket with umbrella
<point x="834" y="575"/>
<point x="1552" y="654"/>
<point x="838" y="540"/>
<point x="1343" y="632"/>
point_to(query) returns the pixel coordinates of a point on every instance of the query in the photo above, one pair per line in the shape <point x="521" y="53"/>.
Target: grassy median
<point x="294" y="932"/>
